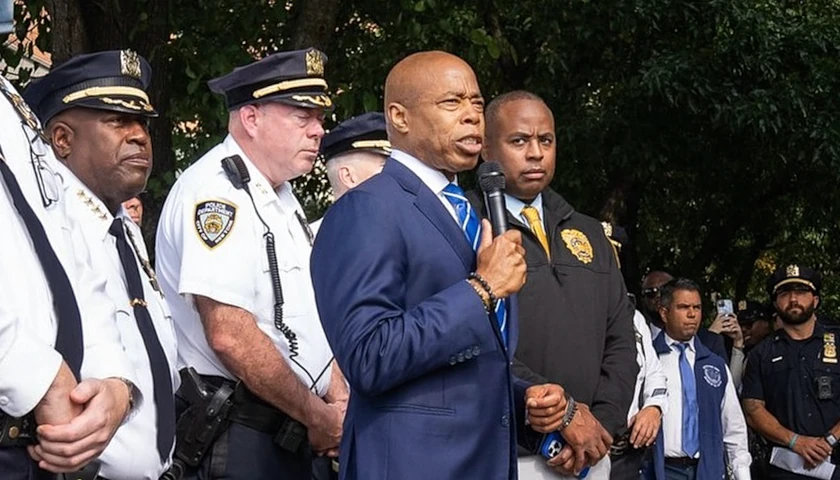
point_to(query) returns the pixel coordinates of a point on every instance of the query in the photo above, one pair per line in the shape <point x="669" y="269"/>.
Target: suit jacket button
<point x="476" y="351"/>
<point x="468" y="354"/>
<point x="505" y="421"/>
<point x="461" y="358"/>
<point x="453" y="360"/>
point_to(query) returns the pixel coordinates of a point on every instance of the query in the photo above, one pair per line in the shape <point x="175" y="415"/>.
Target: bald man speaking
<point x="417" y="300"/>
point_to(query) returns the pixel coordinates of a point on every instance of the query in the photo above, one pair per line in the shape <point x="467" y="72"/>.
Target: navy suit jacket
<point x="432" y="394"/>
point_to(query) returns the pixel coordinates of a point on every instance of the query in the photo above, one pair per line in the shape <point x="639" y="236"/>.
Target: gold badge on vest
<point x="578" y="243"/>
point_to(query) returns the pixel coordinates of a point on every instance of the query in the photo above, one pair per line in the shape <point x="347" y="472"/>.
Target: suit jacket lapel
<point x="430" y="206"/>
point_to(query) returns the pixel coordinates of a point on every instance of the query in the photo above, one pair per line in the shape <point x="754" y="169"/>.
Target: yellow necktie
<point x="535" y="223"/>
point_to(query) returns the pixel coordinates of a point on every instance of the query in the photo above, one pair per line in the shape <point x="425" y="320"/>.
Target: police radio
<point x="238" y="175"/>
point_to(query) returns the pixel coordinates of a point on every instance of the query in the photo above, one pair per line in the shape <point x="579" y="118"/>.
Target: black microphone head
<point x="490" y="177"/>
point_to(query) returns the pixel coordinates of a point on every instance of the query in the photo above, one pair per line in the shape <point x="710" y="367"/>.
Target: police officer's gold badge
<point x="214" y="221"/>
<point x="578" y="243"/>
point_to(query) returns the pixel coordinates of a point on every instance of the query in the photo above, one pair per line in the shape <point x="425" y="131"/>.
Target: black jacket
<point x="575" y="319"/>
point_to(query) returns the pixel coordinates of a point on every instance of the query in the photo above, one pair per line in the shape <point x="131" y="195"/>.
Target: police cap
<point x="295" y="78"/>
<point x="791" y="277"/>
<point x="363" y="132"/>
<point x="115" y="80"/>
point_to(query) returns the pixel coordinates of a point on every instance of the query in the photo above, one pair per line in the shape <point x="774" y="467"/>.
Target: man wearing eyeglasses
<point x="66" y="378"/>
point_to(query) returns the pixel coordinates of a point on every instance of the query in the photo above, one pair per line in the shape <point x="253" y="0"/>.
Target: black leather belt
<point x="253" y="412"/>
<point x="682" y="461"/>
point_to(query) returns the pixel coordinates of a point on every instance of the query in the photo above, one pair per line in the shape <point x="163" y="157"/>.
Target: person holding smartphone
<point x="726" y="324"/>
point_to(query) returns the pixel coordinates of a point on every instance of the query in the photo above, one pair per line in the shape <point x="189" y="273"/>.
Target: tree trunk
<point x="67" y="30"/>
<point x="314" y="22"/>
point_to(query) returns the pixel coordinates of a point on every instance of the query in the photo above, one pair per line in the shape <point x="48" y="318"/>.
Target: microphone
<point x="492" y="183"/>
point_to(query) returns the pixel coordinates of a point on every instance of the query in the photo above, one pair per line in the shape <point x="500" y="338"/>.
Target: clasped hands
<point x="587" y="442"/>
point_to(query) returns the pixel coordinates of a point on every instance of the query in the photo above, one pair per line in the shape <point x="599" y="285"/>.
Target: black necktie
<point x="164" y="398"/>
<point x="68" y="341"/>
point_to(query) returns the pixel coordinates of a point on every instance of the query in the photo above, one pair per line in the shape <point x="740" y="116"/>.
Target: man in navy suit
<point x="422" y="326"/>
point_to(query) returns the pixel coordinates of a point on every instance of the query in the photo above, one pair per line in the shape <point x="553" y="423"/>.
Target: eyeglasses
<point x="651" y="292"/>
<point x="45" y="177"/>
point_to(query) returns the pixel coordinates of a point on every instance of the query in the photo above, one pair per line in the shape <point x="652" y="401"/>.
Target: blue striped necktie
<point x="690" y="410"/>
<point x="471" y="226"/>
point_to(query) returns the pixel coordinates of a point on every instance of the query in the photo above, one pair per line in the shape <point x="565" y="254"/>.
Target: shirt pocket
<point x="288" y="281"/>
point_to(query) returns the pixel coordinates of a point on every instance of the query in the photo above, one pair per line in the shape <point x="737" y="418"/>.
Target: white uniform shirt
<point x="731" y="417"/>
<point x="132" y="453"/>
<point x="433" y="179"/>
<point x="28" y="323"/>
<point x="231" y="267"/>
<point x="650" y="375"/>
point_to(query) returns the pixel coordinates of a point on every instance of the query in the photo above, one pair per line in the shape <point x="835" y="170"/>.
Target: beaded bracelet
<point x="571" y="410"/>
<point x="485" y="299"/>
<point x="485" y="286"/>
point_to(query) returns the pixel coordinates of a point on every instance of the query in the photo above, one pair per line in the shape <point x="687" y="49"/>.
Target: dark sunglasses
<point x="651" y="292"/>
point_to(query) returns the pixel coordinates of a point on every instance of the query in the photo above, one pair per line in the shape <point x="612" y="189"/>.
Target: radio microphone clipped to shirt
<point x="491" y="180"/>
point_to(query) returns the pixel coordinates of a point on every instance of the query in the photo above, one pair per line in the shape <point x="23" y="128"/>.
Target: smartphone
<point x="724" y="307"/>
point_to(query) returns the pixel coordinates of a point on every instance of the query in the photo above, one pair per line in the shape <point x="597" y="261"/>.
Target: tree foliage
<point x="709" y="130"/>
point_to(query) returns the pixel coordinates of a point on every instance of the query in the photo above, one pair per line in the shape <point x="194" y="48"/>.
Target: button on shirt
<point x="235" y="270"/>
<point x="651" y="383"/>
<point x="732" y="419"/>
<point x="27" y="317"/>
<point x="132" y="452"/>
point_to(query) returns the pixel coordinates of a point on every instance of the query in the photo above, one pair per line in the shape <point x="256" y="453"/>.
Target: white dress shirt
<point x="650" y="376"/>
<point x="132" y="453"/>
<point x="514" y="206"/>
<point x="431" y="178"/>
<point x="731" y="417"/>
<point x="28" y="323"/>
<point x="235" y="271"/>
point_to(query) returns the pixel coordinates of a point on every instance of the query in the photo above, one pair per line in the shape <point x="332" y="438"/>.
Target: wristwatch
<point x="831" y="439"/>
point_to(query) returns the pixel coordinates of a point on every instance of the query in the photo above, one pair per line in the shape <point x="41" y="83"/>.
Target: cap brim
<point x="305" y="100"/>
<point x="122" y="104"/>
<point x="792" y="281"/>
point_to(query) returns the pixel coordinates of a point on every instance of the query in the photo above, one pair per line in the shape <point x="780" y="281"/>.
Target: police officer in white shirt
<point x="703" y="433"/>
<point x="48" y="288"/>
<point x="233" y="250"/>
<point x="96" y="111"/>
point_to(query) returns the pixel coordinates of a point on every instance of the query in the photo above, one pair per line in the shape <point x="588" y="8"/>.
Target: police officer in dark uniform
<point x="791" y="391"/>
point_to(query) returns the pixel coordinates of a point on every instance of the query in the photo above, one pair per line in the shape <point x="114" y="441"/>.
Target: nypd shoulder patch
<point x="214" y="221"/>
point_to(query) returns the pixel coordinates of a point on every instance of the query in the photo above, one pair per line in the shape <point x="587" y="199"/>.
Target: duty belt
<point x="253" y="412"/>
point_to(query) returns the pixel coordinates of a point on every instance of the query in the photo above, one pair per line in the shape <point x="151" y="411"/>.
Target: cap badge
<point x="792" y="271"/>
<point x="314" y="63"/>
<point x="130" y="64"/>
